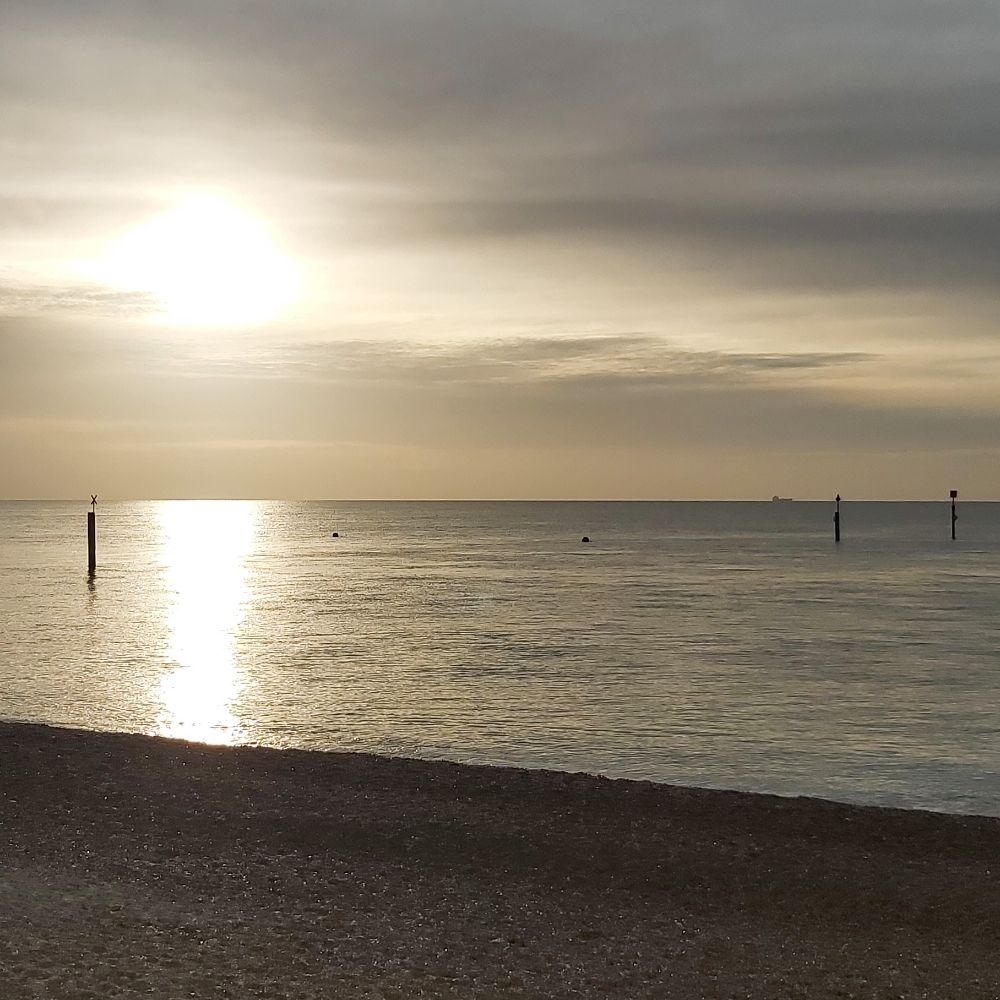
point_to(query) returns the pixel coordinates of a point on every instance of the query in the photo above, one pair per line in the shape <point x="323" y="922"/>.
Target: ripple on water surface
<point x="728" y="645"/>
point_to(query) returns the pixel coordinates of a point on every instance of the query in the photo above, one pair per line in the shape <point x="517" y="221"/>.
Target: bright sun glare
<point x="207" y="263"/>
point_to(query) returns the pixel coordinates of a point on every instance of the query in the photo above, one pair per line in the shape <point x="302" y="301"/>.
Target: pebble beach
<point x="139" y="867"/>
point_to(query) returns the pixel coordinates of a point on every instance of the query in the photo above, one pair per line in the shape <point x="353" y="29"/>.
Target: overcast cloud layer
<point x="564" y="248"/>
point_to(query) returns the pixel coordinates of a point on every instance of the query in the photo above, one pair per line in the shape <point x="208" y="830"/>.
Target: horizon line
<point x="278" y="499"/>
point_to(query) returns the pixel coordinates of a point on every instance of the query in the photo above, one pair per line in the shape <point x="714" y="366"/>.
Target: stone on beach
<point x="134" y="867"/>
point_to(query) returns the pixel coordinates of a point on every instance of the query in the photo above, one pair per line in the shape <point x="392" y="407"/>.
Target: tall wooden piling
<point x="92" y="536"/>
<point x="836" y="521"/>
<point x="954" y="513"/>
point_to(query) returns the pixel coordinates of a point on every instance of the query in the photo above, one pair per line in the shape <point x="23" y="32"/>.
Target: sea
<point x="724" y="645"/>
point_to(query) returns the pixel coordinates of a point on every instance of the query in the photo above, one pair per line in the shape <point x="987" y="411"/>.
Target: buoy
<point x="586" y="538"/>
<point x="336" y="534"/>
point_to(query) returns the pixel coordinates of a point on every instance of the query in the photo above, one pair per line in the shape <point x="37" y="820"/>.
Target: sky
<point x="524" y="249"/>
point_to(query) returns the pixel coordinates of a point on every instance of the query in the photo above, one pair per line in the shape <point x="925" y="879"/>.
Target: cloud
<point x="725" y="192"/>
<point x="840" y="151"/>
<point x="26" y="300"/>
<point x="792" y="248"/>
<point x="628" y="358"/>
<point x="616" y="392"/>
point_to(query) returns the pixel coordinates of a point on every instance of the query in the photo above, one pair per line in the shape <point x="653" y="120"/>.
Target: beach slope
<point x="136" y="867"/>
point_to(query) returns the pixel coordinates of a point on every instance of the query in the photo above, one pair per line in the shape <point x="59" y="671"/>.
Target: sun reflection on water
<point x="204" y="553"/>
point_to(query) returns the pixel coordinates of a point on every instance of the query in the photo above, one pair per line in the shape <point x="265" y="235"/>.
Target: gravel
<point x="137" y="867"/>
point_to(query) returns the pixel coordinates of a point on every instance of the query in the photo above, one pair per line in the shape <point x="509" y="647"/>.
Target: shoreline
<point x="490" y="766"/>
<point x="502" y="766"/>
<point x="141" y="866"/>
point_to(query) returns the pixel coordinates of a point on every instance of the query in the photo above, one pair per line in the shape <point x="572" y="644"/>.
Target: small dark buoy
<point x="586" y="538"/>
<point x="336" y="534"/>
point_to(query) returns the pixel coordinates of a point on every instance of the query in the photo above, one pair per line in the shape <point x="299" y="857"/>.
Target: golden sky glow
<point x="516" y="249"/>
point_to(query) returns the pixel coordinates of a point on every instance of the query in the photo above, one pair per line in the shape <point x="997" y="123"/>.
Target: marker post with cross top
<point x="92" y="535"/>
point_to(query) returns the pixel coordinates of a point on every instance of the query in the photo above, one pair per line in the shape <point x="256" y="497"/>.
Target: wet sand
<point x="135" y="867"/>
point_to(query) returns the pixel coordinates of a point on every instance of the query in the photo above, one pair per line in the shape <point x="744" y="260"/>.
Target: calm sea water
<point x="720" y="644"/>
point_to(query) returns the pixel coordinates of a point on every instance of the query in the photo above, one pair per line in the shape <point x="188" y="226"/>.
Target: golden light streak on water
<point x="205" y="546"/>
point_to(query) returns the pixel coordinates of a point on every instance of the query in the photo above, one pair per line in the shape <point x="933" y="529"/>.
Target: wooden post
<point x="92" y="536"/>
<point x="954" y="514"/>
<point x="836" y="521"/>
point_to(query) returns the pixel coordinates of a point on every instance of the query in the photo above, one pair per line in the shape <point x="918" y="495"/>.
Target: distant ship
<point x="777" y="499"/>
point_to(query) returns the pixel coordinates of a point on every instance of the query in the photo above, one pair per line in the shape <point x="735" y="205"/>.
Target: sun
<point x="206" y="262"/>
